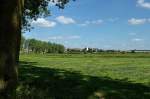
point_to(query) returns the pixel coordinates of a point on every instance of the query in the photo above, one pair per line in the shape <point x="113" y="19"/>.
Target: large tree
<point x="16" y="15"/>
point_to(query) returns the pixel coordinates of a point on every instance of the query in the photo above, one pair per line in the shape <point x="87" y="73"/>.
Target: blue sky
<point x="106" y="24"/>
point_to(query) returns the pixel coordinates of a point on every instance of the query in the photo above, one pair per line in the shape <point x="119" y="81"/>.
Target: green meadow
<point x="84" y="76"/>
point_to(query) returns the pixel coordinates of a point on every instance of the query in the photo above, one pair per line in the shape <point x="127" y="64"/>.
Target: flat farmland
<point x="84" y="76"/>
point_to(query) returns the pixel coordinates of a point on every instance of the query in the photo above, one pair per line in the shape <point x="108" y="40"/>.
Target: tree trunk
<point x="10" y="34"/>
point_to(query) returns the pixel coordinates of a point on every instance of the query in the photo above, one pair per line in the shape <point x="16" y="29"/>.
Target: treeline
<point x="97" y="50"/>
<point x="38" y="46"/>
<point x="89" y="50"/>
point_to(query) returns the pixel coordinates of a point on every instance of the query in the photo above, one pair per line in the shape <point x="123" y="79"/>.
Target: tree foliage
<point x="37" y="46"/>
<point x="16" y="15"/>
<point x="39" y="8"/>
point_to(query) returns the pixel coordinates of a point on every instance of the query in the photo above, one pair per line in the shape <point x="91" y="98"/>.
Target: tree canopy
<point x="39" y="8"/>
<point x="38" y="46"/>
<point x="17" y="15"/>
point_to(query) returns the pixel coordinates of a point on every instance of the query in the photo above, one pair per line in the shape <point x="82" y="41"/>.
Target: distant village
<point x="97" y="50"/>
<point x="37" y="46"/>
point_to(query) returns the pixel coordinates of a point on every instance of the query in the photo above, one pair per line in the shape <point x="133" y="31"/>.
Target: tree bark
<point x="10" y="34"/>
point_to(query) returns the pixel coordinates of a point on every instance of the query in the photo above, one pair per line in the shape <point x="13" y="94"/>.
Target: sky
<point x="105" y="24"/>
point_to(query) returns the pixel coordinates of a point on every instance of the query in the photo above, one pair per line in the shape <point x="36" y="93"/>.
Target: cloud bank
<point x="143" y="3"/>
<point x="41" y="22"/>
<point x="65" y="20"/>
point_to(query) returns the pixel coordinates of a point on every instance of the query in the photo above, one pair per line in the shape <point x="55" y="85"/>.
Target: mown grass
<point x="84" y="76"/>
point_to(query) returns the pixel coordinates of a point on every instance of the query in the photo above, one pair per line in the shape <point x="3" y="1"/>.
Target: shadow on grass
<point x="46" y="83"/>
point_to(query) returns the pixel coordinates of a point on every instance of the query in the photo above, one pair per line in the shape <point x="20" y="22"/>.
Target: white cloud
<point x="83" y="24"/>
<point x="113" y="19"/>
<point x="55" y="38"/>
<point x="148" y="20"/>
<point x="143" y="4"/>
<point x="41" y="22"/>
<point x="137" y="39"/>
<point x="64" y="37"/>
<point x="96" y="22"/>
<point x="134" y="21"/>
<point x="65" y="20"/>
<point x="132" y="33"/>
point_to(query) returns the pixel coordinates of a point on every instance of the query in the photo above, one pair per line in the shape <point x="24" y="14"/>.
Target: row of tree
<point x="97" y="50"/>
<point x="89" y="50"/>
<point x="38" y="46"/>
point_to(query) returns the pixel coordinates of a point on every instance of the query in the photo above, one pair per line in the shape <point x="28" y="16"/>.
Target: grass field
<point x="84" y="76"/>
